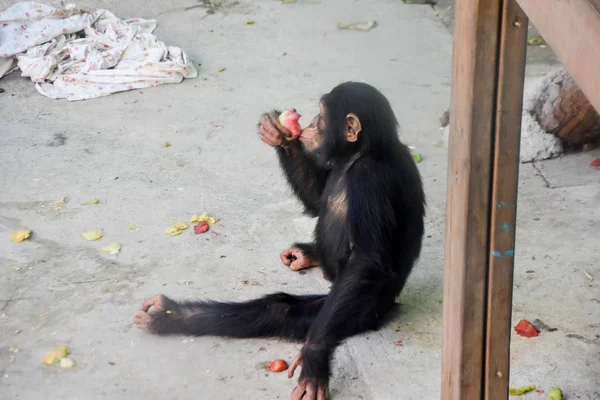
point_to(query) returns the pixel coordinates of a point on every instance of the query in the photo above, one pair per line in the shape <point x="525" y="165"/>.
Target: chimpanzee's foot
<point x="297" y="260"/>
<point x="160" y="305"/>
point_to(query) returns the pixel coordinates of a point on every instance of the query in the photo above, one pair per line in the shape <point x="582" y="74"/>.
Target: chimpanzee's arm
<point x="306" y="178"/>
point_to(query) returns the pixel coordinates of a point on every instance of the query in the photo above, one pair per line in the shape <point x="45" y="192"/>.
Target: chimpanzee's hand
<point x="272" y="132"/>
<point x="307" y="389"/>
<point x="297" y="260"/>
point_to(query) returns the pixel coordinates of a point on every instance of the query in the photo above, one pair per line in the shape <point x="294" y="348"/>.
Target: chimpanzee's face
<point x="313" y="135"/>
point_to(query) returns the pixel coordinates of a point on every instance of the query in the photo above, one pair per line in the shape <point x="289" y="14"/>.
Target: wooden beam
<point x="472" y="110"/>
<point x="487" y="88"/>
<point x="507" y="140"/>
<point x="572" y="29"/>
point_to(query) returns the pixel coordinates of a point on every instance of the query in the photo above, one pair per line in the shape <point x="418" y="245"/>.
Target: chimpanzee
<point x="350" y="170"/>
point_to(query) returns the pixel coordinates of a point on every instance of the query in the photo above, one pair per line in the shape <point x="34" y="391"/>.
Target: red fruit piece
<point x="278" y="366"/>
<point x="524" y="328"/>
<point x="595" y="162"/>
<point x="201" y="227"/>
<point x="289" y="119"/>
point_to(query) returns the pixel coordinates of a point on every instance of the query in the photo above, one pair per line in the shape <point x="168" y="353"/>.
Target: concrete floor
<point x="70" y="292"/>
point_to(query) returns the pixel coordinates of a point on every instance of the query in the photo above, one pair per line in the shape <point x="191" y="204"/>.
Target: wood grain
<point x="472" y="111"/>
<point x="572" y="29"/>
<point x="509" y="104"/>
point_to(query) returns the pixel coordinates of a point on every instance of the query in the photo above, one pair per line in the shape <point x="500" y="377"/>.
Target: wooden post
<point x="505" y="178"/>
<point x="487" y="89"/>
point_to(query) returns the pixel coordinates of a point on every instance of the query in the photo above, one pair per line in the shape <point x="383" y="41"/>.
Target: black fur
<point x="367" y="247"/>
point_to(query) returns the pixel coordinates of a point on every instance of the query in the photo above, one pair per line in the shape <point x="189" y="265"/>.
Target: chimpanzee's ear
<point x="353" y="127"/>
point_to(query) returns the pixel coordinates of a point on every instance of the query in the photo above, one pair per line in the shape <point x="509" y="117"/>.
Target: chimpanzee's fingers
<point x="269" y="138"/>
<point x="152" y="301"/>
<point x="275" y="122"/>
<point x="295" y="363"/>
<point x="285" y="258"/>
<point x="298" y="264"/>
<point x="273" y="134"/>
<point x="323" y="393"/>
<point x="298" y="392"/>
<point x="311" y="392"/>
<point x="267" y="141"/>
<point x="270" y="126"/>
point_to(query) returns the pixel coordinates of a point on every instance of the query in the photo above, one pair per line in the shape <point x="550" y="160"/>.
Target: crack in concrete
<point x="540" y="174"/>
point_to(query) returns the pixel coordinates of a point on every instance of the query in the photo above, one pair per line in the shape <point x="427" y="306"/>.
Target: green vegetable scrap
<point x="521" y="390"/>
<point x="555" y="394"/>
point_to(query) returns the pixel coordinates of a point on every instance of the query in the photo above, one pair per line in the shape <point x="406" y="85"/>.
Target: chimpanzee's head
<point x="354" y="117"/>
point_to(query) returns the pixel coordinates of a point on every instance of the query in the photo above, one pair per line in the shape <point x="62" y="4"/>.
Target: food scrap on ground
<point x="14" y="267"/>
<point x="201" y="227"/>
<point x="520" y="390"/>
<point x="363" y="26"/>
<point x="66" y="363"/>
<point x="222" y="69"/>
<point x="112" y="248"/>
<point x="595" y="162"/>
<point x="92" y="235"/>
<point x="180" y="225"/>
<point x="555" y="394"/>
<point x="526" y="329"/>
<point x="166" y="144"/>
<point x="62" y="200"/>
<point x="55" y="355"/>
<point x="278" y="366"/>
<point x="131" y="227"/>
<point x="77" y="54"/>
<point x="172" y="231"/>
<point x="204" y="217"/>
<point x="536" y="41"/>
<point x="21" y="235"/>
<point x="92" y="202"/>
<point x="249" y="22"/>
<point x="417" y="157"/>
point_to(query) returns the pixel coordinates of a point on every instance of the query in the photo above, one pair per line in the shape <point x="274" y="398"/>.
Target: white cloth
<point x="78" y="55"/>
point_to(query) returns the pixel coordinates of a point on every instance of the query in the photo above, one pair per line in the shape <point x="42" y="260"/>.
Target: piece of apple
<point x="289" y="119"/>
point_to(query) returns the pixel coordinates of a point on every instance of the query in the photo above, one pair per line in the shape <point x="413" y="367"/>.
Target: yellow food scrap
<point x="112" y="248"/>
<point x="249" y="22"/>
<point x="166" y="144"/>
<point x="16" y="268"/>
<point x="555" y="394"/>
<point x="169" y="312"/>
<point x="14" y="350"/>
<point x="172" y="231"/>
<point x="221" y="69"/>
<point x="62" y="200"/>
<point x="536" y="41"/>
<point x="57" y="208"/>
<point x="180" y="225"/>
<point x="204" y="218"/>
<point x="21" y="235"/>
<point x="54" y="356"/>
<point x="92" y="202"/>
<point x="92" y="235"/>
<point x="521" y="390"/>
<point x="131" y="227"/>
<point x="66" y="363"/>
